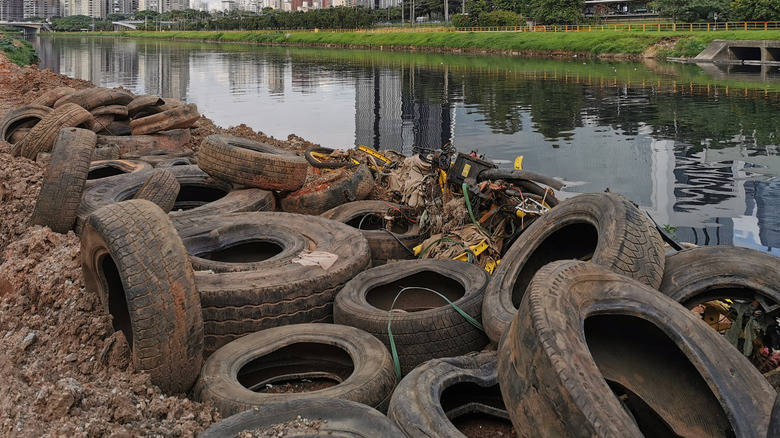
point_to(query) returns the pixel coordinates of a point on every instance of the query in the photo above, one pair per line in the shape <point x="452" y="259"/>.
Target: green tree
<point x="755" y="10"/>
<point x="554" y="11"/>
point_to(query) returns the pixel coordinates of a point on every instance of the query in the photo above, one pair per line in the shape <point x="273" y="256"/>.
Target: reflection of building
<point x="11" y="10"/>
<point x="389" y="114"/>
<point x="275" y="77"/>
<point x="164" y="74"/>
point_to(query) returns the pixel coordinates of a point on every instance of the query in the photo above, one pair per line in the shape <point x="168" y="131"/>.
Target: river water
<point x="694" y="146"/>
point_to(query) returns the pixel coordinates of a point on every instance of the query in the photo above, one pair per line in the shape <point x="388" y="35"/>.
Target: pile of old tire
<point x="602" y="354"/>
<point x="130" y="123"/>
<point x="603" y="228"/>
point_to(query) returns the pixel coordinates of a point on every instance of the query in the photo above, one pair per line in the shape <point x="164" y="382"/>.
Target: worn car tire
<point x="50" y="97"/>
<point x="352" y="357"/>
<point x="605" y="228"/>
<point x="368" y="217"/>
<point x="179" y="117"/>
<point x="355" y="187"/>
<point x="23" y="117"/>
<point x="133" y="259"/>
<point x="594" y="353"/>
<point x="41" y="136"/>
<point x="157" y="156"/>
<point x="251" y="163"/>
<point x="90" y="98"/>
<point x="147" y="103"/>
<point x="161" y="188"/>
<point x="431" y="396"/>
<point x="697" y="275"/>
<point x="100" y="170"/>
<point x="105" y="152"/>
<point x="330" y="417"/>
<point x="426" y="326"/>
<point x="64" y="179"/>
<point x="248" y="277"/>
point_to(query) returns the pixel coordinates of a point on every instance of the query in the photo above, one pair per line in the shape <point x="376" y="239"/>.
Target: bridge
<point x="133" y="24"/>
<point x="29" y="27"/>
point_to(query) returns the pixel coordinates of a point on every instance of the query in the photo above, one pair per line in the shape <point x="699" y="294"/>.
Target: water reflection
<point x="695" y="147"/>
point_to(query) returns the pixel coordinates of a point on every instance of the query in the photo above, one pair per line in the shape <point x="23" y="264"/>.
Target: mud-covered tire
<point x="355" y="187"/>
<point x="178" y="161"/>
<point x="146" y="103"/>
<point x="697" y="275"/>
<point x="248" y="276"/>
<point x="774" y="420"/>
<point x="309" y="154"/>
<point x="431" y="396"/>
<point x="386" y="244"/>
<point x="90" y="98"/>
<point x="330" y="417"/>
<point x="601" y="354"/>
<point x="129" y="144"/>
<point x="106" y="152"/>
<point x="605" y="228"/>
<point x="520" y="175"/>
<point x="161" y="188"/>
<point x="179" y="117"/>
<point x="48" y="98"/>
<point x="133" y="259"/>
<point x="157" y="156"/>
<point x="100" y="170"/>
<point x="251" y="163"/>
<point x="64" y="179"/>
<point x="23" y="117"/>
<point x="41" y="136"/>
<point x="426" y="326"/>
<point x="352" y="357"/>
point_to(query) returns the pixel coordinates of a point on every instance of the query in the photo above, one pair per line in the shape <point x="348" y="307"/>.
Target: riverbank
<point x="629" y="45"/>
<point x="19" y="52"/>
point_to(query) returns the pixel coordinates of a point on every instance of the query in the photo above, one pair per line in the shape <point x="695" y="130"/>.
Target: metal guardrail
<point x="626" y="27"/>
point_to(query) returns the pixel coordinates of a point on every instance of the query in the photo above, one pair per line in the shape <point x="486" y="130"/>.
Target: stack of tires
<point x="321" y="311"/>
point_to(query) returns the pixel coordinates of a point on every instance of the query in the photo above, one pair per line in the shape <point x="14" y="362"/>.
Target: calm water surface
<point x="695" y="146"/>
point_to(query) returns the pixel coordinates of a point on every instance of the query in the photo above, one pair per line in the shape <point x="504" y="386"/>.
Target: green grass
<point x="20" y="52"/>
<point x="688" y="44"/>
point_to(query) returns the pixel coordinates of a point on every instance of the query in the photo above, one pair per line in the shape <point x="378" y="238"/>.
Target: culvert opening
<point x="117" y="303"/>
<point x="653" y="379"/>
<point x="244" y="252"/>
<point x="298" y="367"/>
<point x="572" y="242"/>
<point x="773" y="53"/>
<point x="746" y="53"/>
<point x="415" y="299"/>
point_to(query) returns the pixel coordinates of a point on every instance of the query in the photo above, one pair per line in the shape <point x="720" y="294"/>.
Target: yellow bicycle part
<point x="374" y="154"/>
<point x="323" y="157"/>
<point x="519" y="163"/>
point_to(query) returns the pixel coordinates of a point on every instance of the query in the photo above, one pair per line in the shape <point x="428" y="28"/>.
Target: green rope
<point x="465" y="189"/>
<point x="393" y="350"/>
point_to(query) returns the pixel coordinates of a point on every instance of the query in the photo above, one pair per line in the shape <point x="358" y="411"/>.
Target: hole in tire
<point x="191" y="196"/>
<point x="576" y="241"/>
<point x="117" y="303"/>
<point x="104" y="171"/>
<point x="323" y="364"/>
<point x="653" y="379"/>
<point x="374" y="222"/>
<point x="476" y="410"/>
<point x="415" y="300"/>
<point x="244" y="252"/>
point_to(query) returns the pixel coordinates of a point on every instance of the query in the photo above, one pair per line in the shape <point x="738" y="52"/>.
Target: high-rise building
<point x="11" y="10"/>
<point x="90" y="8"/>
<point x="41" y="8"/>
<point x="123" y="6"/>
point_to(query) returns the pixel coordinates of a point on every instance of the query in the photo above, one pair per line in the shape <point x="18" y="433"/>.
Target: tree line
<point x="476" y="13"/>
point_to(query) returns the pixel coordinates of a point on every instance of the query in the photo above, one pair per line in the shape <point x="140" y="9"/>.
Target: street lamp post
<point x="715" y="16"/>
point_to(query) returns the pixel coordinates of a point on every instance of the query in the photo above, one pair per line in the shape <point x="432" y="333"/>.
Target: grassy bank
<point x="20" y="52"/>
<point x="591" y="43"/>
